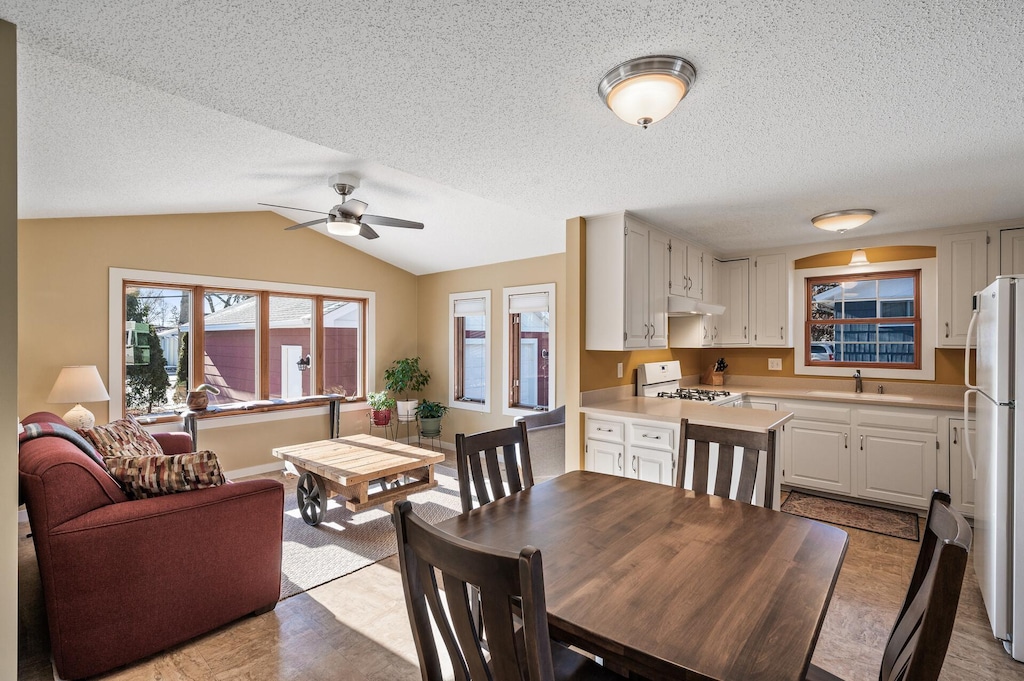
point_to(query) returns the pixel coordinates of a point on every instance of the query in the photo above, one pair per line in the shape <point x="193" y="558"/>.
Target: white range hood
<point x="679" y="306"/>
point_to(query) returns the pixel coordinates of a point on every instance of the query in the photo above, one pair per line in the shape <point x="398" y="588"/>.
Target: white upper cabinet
<point x="771" y="300"/>
<point x="1011" y="251"/>
<point x="732" y="289"/>
<point x="627" y="284"/>
<point x="686" y="270"/>
<point x="963" y="269"/>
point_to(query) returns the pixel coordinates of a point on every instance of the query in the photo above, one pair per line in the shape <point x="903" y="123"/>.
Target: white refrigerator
<point x="999" y="458"/>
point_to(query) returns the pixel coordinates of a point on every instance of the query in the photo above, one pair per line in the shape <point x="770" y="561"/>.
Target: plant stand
<point x="420" y="436"/>
<point x="390" y="430"/>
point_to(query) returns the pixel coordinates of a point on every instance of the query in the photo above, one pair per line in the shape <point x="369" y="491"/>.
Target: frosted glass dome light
<point x="645" y="90"/>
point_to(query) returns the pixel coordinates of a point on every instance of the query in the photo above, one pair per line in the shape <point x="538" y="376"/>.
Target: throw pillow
<point x="124" y="437"/>
<point x="151" y="476"/>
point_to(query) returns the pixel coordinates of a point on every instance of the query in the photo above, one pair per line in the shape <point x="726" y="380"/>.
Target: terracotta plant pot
<point x="381" y="417"/>
<point x="198" y="400"/>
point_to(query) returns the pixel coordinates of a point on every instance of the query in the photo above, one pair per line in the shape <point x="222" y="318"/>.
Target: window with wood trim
<point x="470" y="349"/>
<point x="529" y="347"/>
<point x="864" y="320"/>
<point x="251" y="345"/>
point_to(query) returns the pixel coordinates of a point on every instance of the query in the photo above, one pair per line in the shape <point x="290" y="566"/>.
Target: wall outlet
<point x="620" y="369"/>
<point x="774" y="364"/>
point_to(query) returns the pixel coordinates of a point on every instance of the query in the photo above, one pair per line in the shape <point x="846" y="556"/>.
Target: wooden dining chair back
<point x="729" y="440"/>
<point x="479" y="456"/>
<point x="513" y="654"/>
<point x="917" y="645"/>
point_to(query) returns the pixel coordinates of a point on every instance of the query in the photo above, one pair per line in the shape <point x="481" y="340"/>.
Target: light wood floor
<point x="356" y="628"/>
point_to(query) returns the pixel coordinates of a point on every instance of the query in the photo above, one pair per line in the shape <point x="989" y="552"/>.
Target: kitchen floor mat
<point x="901" y="524"/>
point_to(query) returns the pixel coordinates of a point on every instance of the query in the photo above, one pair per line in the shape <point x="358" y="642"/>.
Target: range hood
<point x="679" y="306"/>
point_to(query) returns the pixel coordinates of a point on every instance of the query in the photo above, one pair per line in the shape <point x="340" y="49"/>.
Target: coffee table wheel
<point x="312" y="498"/>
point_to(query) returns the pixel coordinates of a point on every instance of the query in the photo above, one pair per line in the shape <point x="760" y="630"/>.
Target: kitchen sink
<point x="881" y="397"/>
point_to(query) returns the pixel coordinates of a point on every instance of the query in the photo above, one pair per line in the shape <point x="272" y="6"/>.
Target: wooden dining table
<point x="670" y="583"/>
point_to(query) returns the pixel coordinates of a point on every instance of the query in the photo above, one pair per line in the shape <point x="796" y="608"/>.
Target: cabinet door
<point x="677" y="269"/>
<point x="771" y="295"/>
<point x="817" y="456"/>
<point x="657" y="304"/>
<point x="963" y="269"/>
<point x="637" y="323"/>
<point x="734" y="292"/>
<point x="898" y="466"/>
<point x="961" y="470"/>
<point x="604" y="457"/>
<point x="694" y="273"/>
<point x="709" y="323"/>
<point x="1011" y="251"/>
<point x="652" y="465"/>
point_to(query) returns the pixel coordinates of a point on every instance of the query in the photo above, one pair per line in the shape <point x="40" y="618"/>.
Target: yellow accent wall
<point x="63" y="290"/>
<point x="879" y="254"/>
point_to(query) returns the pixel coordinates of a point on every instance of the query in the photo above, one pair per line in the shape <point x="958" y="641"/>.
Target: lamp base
<point x="80" y="418"/>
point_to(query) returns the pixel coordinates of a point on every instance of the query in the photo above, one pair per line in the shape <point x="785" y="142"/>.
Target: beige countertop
<point x="935" y="399"/>
<point x="672" y="411"/>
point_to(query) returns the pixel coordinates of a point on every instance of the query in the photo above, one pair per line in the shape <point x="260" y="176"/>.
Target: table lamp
<point x="78" y="384"/>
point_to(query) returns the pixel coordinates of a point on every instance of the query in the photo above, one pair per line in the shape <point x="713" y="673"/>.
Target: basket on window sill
<point x="712" y="377"/>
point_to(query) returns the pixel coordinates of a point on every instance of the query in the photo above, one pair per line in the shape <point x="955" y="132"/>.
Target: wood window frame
<point x="809" y="284"/>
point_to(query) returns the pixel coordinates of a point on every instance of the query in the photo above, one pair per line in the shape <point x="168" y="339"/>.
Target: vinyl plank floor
<point x="356" y="628"/>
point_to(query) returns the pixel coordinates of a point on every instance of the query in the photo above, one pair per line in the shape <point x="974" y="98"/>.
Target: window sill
<point x="252" y="412"/>
<point x="470" y="406"/>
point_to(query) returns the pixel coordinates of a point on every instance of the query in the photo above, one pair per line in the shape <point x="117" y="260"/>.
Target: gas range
<point x="662" y="379"/>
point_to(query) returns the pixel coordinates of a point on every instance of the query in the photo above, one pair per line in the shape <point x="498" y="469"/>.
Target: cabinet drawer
<point x="653" y="437"/>
<point x="606" y="430"/>
<point x="816" y="411"/>
<point x="903" y="419"/>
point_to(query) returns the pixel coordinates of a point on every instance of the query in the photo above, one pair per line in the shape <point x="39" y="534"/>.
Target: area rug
<point x="345" y="542"/>
<point x="899" y="524"/>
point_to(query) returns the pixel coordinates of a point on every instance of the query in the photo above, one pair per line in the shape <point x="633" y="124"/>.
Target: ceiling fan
<point x="348" y="217"/>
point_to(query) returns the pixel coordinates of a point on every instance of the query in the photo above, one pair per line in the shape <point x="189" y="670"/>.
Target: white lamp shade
<point x="78" y="384"/>
<point x="648" y="97"/>
<point x="342" y="228"/>
<point x="859" y="257"/>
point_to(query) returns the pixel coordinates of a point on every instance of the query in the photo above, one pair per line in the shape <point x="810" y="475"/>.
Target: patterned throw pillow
<point x="151" y="476"/>
<point x="124" y="437"/>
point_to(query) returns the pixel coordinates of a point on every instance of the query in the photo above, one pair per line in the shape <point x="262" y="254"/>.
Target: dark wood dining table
<point x="670" y="583"/>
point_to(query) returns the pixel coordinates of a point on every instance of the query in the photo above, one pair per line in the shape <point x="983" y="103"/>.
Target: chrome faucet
<point x="858" y="386"/>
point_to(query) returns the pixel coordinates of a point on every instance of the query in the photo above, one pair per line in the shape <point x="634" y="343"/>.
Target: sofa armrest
<point x="154" y="572"/>
<point x="174" y="443"/>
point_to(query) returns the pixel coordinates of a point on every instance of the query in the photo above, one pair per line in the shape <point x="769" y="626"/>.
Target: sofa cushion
<point x="124" y="437"/>
<point x="155" y="475"/>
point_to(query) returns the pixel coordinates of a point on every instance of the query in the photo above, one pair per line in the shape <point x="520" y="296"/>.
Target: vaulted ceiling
<point x="481" y="119"/>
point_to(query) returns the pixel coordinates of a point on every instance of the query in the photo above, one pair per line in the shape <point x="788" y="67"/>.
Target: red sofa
<point x="123" y="579"/>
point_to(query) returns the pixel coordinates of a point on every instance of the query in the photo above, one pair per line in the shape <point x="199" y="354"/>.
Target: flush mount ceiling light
<point x="859" y="257"/>
<point x="645" y="90"/>
<point x="842" y="220"/>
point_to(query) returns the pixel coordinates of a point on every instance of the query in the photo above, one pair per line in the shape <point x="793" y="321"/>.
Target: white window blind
<point x="528" y="302"/>
<point x="469" y="307"/>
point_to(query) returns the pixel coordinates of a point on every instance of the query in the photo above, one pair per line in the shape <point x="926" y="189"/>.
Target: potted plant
<point x="405" y="376"/>
<point x="430" y="414"/>
<point x="380" y="407"/>
<point x="198" y="399"/>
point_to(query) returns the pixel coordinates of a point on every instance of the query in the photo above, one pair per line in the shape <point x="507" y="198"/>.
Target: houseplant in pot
<point x="380" y="408"/>
<point x="430" y="414"/>
<point x="405" y="376"/>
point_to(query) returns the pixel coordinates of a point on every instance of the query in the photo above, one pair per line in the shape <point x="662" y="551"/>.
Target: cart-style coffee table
<point x="348" y="466"/>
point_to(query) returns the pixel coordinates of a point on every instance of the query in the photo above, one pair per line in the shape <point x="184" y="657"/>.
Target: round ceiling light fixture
<point x="342" y="226"/>
<point x="842" y="220"/>
<point x="643" y="91"/>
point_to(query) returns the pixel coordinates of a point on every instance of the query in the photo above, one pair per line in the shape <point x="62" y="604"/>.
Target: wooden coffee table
<point x="348" y="466"/>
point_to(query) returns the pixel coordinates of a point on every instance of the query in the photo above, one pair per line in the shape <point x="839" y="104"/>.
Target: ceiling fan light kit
<point x="643" y="91"/>
<point x="842" y="220"/>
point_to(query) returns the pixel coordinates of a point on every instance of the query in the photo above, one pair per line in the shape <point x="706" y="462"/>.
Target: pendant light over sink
<point x="645" y="90"/>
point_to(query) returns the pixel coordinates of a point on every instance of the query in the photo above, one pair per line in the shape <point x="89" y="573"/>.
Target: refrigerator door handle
<point x="967" y="353"/>
<point x="967" y="439"/>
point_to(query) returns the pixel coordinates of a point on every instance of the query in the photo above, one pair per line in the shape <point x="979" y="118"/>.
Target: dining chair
<point x="479" y="466"/>
<point x="728" y="440"/>
<point x="919" y="639"/>
<point x="517" y="648"/>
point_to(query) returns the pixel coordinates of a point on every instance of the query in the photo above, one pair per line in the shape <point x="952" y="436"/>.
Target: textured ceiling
<point x="482" y="119"/>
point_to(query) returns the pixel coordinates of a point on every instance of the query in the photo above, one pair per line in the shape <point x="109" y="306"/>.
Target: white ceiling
<point x="482" y="119"/>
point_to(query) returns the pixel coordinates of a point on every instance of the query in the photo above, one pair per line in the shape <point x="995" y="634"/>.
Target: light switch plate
<point x="620" y="369"/>
<point x="774" y="364"/>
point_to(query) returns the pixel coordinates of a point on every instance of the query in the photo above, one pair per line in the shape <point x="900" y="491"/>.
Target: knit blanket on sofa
<point x="34" y="430"/>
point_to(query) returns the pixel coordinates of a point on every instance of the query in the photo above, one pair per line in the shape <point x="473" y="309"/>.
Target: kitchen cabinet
<point x="686" y="270"/>
<point x="627" y="284"/>
<point x="771" y="300"/>
<point x="1011" y="251"/>
<point x="605" y="446"/>
<point x="898" y="466"/>
<point x="652" y="465"/>
<point x="817" y="456"/>
<point x="963" y="269"/>
<point x="632" y="448"/>
<point x="961" y="469"/>
<point x="732" y="289"/>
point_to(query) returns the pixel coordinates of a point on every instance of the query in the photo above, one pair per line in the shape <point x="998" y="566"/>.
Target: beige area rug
<point x="345" y="542"/>
<point x="901" y="524"/>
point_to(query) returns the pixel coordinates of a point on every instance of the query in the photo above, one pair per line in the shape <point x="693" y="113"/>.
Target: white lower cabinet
<point x="605" y="457"/>
<point x="817" y="455"/>
<point x="961" y="468"/>
<point x="652" y="465"/>
<point x="645" y="450"/>
<point x="898" y="466"/>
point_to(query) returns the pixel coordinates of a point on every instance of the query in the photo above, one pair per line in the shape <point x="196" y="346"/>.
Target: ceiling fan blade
<point x="306" y="224"/>
<point x="353" y="208"/>
<point x="391" y="222"/>
<point x="274" y="205"/>
<point x="367" y="232"/>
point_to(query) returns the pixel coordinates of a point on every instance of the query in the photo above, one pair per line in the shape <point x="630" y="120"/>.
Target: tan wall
<point x="63" y="292"/>
<point x="9" y="360"/>
<point x="434" y="290"/>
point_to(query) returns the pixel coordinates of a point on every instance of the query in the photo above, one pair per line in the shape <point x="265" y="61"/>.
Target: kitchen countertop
<point x="672" y="411"/>
<point x="919" y="400"/>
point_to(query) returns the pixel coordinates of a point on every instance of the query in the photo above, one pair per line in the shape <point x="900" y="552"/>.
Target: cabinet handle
<point x="862" y="443"/>
<point x="947" y="329"/>
<point x="846" y="440"/>
<point x="715" y="334"/>
<point x="744" y="332"/>
<point x="651" y="437"/>
<point x="954" y="434"/>
<point x="604" y="430"/>
<point x="781" y="332"/>
<point x="620" y="461"/>
<point x="647" y="330"/>
<point x="705" y="331"/>
<point x="634" y="463"/>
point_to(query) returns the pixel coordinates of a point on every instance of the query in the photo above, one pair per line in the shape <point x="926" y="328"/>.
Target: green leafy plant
<point x="431" y="410"/>
<point x="380" y="401"/>
<point x="405" y="376"/>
